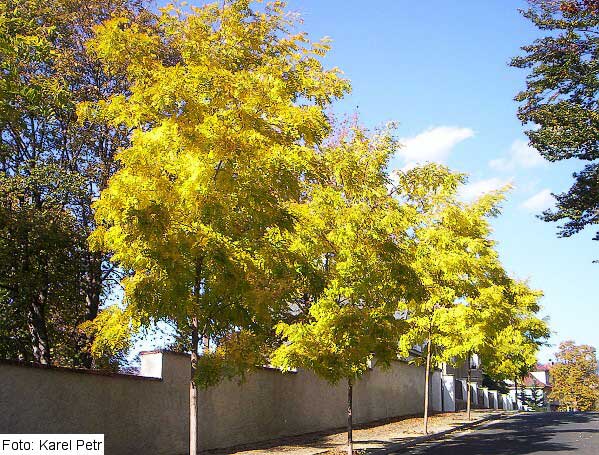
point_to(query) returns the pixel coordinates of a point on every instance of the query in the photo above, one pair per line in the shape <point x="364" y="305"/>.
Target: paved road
<point x="526" y="434"/>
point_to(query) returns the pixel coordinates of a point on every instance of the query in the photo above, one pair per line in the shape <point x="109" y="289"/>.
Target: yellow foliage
<point x="574" y="377"/>
<point x="111" y="331"/>
<point x="226" y="107"/>
<point x="351" y="247"/>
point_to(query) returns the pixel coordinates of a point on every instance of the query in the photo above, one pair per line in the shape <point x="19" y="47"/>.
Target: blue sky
<point x="440" y="69"/>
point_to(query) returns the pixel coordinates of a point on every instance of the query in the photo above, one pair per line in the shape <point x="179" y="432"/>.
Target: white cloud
<point x="520" y="155"/>
<point x="539" y="202"/>
<point x="529" y="185"/>
<point x="473" y="190"/>
<point x="434" y="144"/>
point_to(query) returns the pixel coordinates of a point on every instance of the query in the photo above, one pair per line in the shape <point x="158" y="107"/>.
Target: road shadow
<point x="518" y="435"/>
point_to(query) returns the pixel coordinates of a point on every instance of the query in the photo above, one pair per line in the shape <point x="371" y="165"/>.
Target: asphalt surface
<point x="525" y="434"/>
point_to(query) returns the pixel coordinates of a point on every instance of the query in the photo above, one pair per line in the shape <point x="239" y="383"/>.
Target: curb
<point x="400" y="446"/>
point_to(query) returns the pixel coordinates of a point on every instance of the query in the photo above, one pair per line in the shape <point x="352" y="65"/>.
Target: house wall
<point x="460" y="370"/>
<point x="542" y="376"/>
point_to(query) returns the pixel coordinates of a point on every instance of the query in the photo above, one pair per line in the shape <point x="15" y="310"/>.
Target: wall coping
<point x="164" y="351"/>
<point x="184" y="354"/>
<point x="105" y="373"/>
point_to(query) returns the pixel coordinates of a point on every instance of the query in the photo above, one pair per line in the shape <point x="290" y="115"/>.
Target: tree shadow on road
<point x="518" y="435"/>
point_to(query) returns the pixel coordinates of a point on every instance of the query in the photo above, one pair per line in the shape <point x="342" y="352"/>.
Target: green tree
<point x="560" y="101"/>
<point x="575" y="383"/>
<point x="46" y="71"/>
<point x="353" y="250"/>
<point x="226" y="106"/>
<point x="536" y="400"/>
<point x="493" y="384"/>
<point x="41" y="252"/>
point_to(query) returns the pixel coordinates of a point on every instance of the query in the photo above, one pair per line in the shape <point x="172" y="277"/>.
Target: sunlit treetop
<point x="352" y="244"/>
<point x="455" y="256"/>
<point x="575" y="383"/>
<point x="226" y="106"/>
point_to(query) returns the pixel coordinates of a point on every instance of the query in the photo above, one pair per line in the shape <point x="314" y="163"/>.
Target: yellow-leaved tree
<point x="226" y="106"/>
<point x="471" y="306"/>
<point x="454" y="258"/>
<point x="574" y="377"/>
<point x="511" y="352"/>
<point x="502" y="309"/>
<point x="352" y="248"/>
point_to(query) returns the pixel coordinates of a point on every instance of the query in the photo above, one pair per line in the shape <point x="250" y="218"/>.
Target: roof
<point x="530" y="381"/>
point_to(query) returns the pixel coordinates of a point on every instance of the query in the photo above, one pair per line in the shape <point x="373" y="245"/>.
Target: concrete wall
<point x="515" y="400"/>
<point x="528" y="393"/>
<point x="270" y="404"/>
<point x="463" y="388"/>
<point x="480" y="397"/>
<point x="137" y="415"/>
<point x="464" y="384"/>
<point x="508" y="405"/>
<point x="150" y="415"/>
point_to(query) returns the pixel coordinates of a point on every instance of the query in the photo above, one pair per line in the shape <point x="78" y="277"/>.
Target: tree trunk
<point x="193" y="390"/>
<point x="38" y="331"/>
<point x="36" y="314"/>
<point x="468" y="394"/>
<point x="93" y="292"/>
<point x="205" y="344"/>
<point x="350" y="440"/>
<point x="426" y="385"/>
<point x="92" y="287"/>
<point x="37" y="325"/>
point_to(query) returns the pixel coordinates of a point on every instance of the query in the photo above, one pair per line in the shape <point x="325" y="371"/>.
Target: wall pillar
<point x="486" y="403"/>
<point x="436" y="384"/>
<point x="493" y="400"/>
<point x="474" y="394"/>
<point x="448" y="393"/>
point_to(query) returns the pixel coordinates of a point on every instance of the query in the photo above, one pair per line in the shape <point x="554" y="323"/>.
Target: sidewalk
<point x="367" y="439"/>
